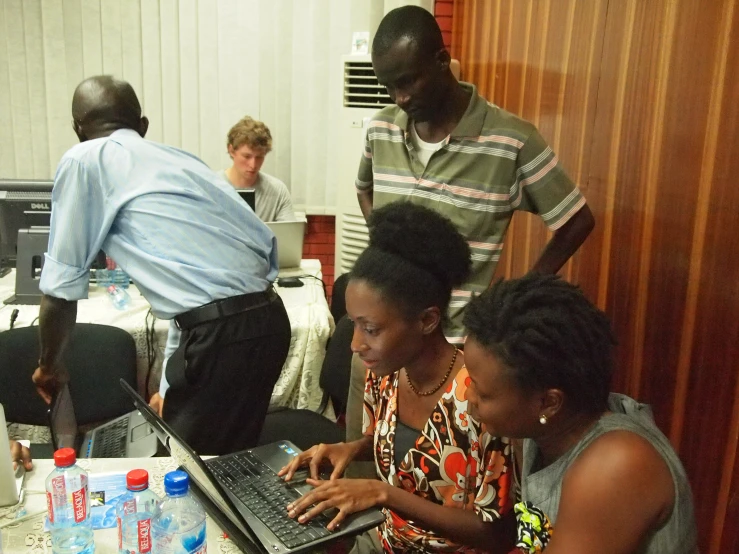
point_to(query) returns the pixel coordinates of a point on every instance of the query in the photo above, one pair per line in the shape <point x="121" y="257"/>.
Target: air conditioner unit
<point x="362" y="97"/>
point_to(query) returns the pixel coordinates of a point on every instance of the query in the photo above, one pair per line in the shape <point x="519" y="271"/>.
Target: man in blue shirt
<point x="195" y="250"/>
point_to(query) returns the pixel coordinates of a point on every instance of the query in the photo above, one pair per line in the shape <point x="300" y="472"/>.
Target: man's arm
<point x="565" y="242"/>
<point x="365" y="202"/>
<point x="56" y="322"/>
<point x="365" y="177"/>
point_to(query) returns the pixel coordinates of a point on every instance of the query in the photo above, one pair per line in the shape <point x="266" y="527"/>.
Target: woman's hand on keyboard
<point x="337" y="455"/>
<point x="345" y="495"/>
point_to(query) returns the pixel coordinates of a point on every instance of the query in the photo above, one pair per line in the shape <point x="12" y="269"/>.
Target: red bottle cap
<point x="64" y="457"/>
<point x="137" y="479"/>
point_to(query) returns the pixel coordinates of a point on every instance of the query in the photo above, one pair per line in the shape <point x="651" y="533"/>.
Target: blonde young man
<point x="249" y="142"/>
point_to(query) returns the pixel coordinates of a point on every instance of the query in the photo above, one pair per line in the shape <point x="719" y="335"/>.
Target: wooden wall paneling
<point x="579" y="101"/>
<point x="529" y="232"/>
<point x="604" y="257"/>
<point x="717" y="226"/>
<point x="639" y="101"/>
<point x="705" y="420"/>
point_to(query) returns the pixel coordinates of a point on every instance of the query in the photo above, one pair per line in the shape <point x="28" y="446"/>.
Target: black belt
<point x="225" y="308"/>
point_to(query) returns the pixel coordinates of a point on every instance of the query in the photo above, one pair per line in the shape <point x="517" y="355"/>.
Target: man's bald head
<point x="102" y="105"/>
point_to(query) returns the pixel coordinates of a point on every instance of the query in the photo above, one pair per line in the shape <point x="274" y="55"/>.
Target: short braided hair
<point x="548" y="335"/>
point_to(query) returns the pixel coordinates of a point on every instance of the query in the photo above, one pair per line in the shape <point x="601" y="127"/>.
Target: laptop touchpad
<point x="141" y="431"/>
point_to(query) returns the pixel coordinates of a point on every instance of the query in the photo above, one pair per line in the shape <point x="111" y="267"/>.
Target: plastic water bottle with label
<point x="120" y="278"/>
<point x="119" y="297"/>
<point x="112" y="274"/>
<point x="135" y="510"/>
<point x="178" y="526"/>
<point x="68" y="506"/>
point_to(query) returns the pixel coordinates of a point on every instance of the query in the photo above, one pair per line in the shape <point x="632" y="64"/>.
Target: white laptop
<point x="290" y="235"/>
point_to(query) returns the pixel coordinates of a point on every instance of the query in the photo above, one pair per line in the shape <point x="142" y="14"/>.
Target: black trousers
<point x="221" y="378"/>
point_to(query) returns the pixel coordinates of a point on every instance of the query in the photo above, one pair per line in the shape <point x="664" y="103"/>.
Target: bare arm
<point x="615" y="495"/>
<point x="56" y="321"/>
<point x="365" y="202"/>
<point x="565" y="242"/>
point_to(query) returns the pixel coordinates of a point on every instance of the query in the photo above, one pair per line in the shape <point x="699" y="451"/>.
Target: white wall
<point x="197" y="66"/>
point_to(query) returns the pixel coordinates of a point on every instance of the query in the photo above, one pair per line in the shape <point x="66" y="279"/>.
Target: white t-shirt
<point x="424" y="149"/>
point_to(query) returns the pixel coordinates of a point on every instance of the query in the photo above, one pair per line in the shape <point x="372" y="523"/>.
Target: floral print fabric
<point x="533" y="528"/>
<point x="454" y="462"/>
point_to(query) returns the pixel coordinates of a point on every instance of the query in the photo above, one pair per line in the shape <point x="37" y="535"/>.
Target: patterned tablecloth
<point x="298" y="385"/>
<point x="29" y="536"/>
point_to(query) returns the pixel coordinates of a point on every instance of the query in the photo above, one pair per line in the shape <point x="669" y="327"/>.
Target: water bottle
<point x="103" y="278"/>
<point x="119" y="297"/>
<point x="68" y="505"/>
<point x="135" y="510"/>
<point x="121" y="278"/>
<point x="178" y="526"/>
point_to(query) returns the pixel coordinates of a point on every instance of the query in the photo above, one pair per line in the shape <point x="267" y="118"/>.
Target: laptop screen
<point x="189" y="460"/>
<point x="62" y="420"/>
<point x="250" y="197"/>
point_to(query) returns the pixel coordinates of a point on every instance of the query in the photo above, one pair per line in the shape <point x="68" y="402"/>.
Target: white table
<point x="29" y="536"/>
<point x="311" y="325"/>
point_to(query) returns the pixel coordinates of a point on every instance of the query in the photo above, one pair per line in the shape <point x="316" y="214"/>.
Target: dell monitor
<point x="24" y="204"/>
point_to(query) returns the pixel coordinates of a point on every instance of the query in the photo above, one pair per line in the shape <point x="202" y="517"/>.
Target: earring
<point x="543" y="419"/>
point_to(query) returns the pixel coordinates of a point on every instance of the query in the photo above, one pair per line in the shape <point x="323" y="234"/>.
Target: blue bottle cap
<point x="176" y="482"/>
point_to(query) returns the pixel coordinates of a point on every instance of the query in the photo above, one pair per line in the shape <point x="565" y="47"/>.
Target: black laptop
<point x="127" y="436"/>
<point x="243" y="493"/>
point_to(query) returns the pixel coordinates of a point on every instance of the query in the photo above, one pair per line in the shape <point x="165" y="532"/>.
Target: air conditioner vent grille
<point x="354" y="239"/>
<point x="361" y="89"/>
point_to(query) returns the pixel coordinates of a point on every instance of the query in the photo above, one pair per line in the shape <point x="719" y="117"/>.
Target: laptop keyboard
<point x="110" y="441"/>
<point x="267" y="495"/>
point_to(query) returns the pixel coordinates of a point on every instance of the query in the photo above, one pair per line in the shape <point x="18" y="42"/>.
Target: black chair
<point x="97" y="356"/>
<point x="306" y="428"/>
<point x="338" y="302"/>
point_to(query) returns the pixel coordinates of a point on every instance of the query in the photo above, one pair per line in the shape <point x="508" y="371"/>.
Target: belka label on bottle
<point x="57" y="496"/>
<point x="79" y="501"/>
<point x="144" y="535"/>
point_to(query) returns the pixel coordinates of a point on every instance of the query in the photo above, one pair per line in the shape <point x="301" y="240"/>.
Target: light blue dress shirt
<point x="181" y="232"/>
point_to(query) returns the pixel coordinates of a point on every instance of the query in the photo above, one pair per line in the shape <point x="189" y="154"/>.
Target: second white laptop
<point x="289" y="236"/>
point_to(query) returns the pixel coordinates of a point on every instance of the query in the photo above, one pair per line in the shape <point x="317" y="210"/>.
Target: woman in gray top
<point x="539" y="357"/>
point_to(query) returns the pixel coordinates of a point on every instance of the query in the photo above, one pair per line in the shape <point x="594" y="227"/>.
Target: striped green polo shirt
<point x="492" y="164"/>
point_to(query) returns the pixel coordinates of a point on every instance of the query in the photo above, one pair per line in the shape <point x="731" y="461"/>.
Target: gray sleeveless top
<point x="543" y="488"/>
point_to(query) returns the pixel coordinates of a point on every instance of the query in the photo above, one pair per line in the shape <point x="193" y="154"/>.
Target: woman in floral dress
<point x="444" y="482"/>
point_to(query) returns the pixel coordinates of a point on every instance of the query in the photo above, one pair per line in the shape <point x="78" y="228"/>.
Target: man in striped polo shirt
<point x="446" y="147"/>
